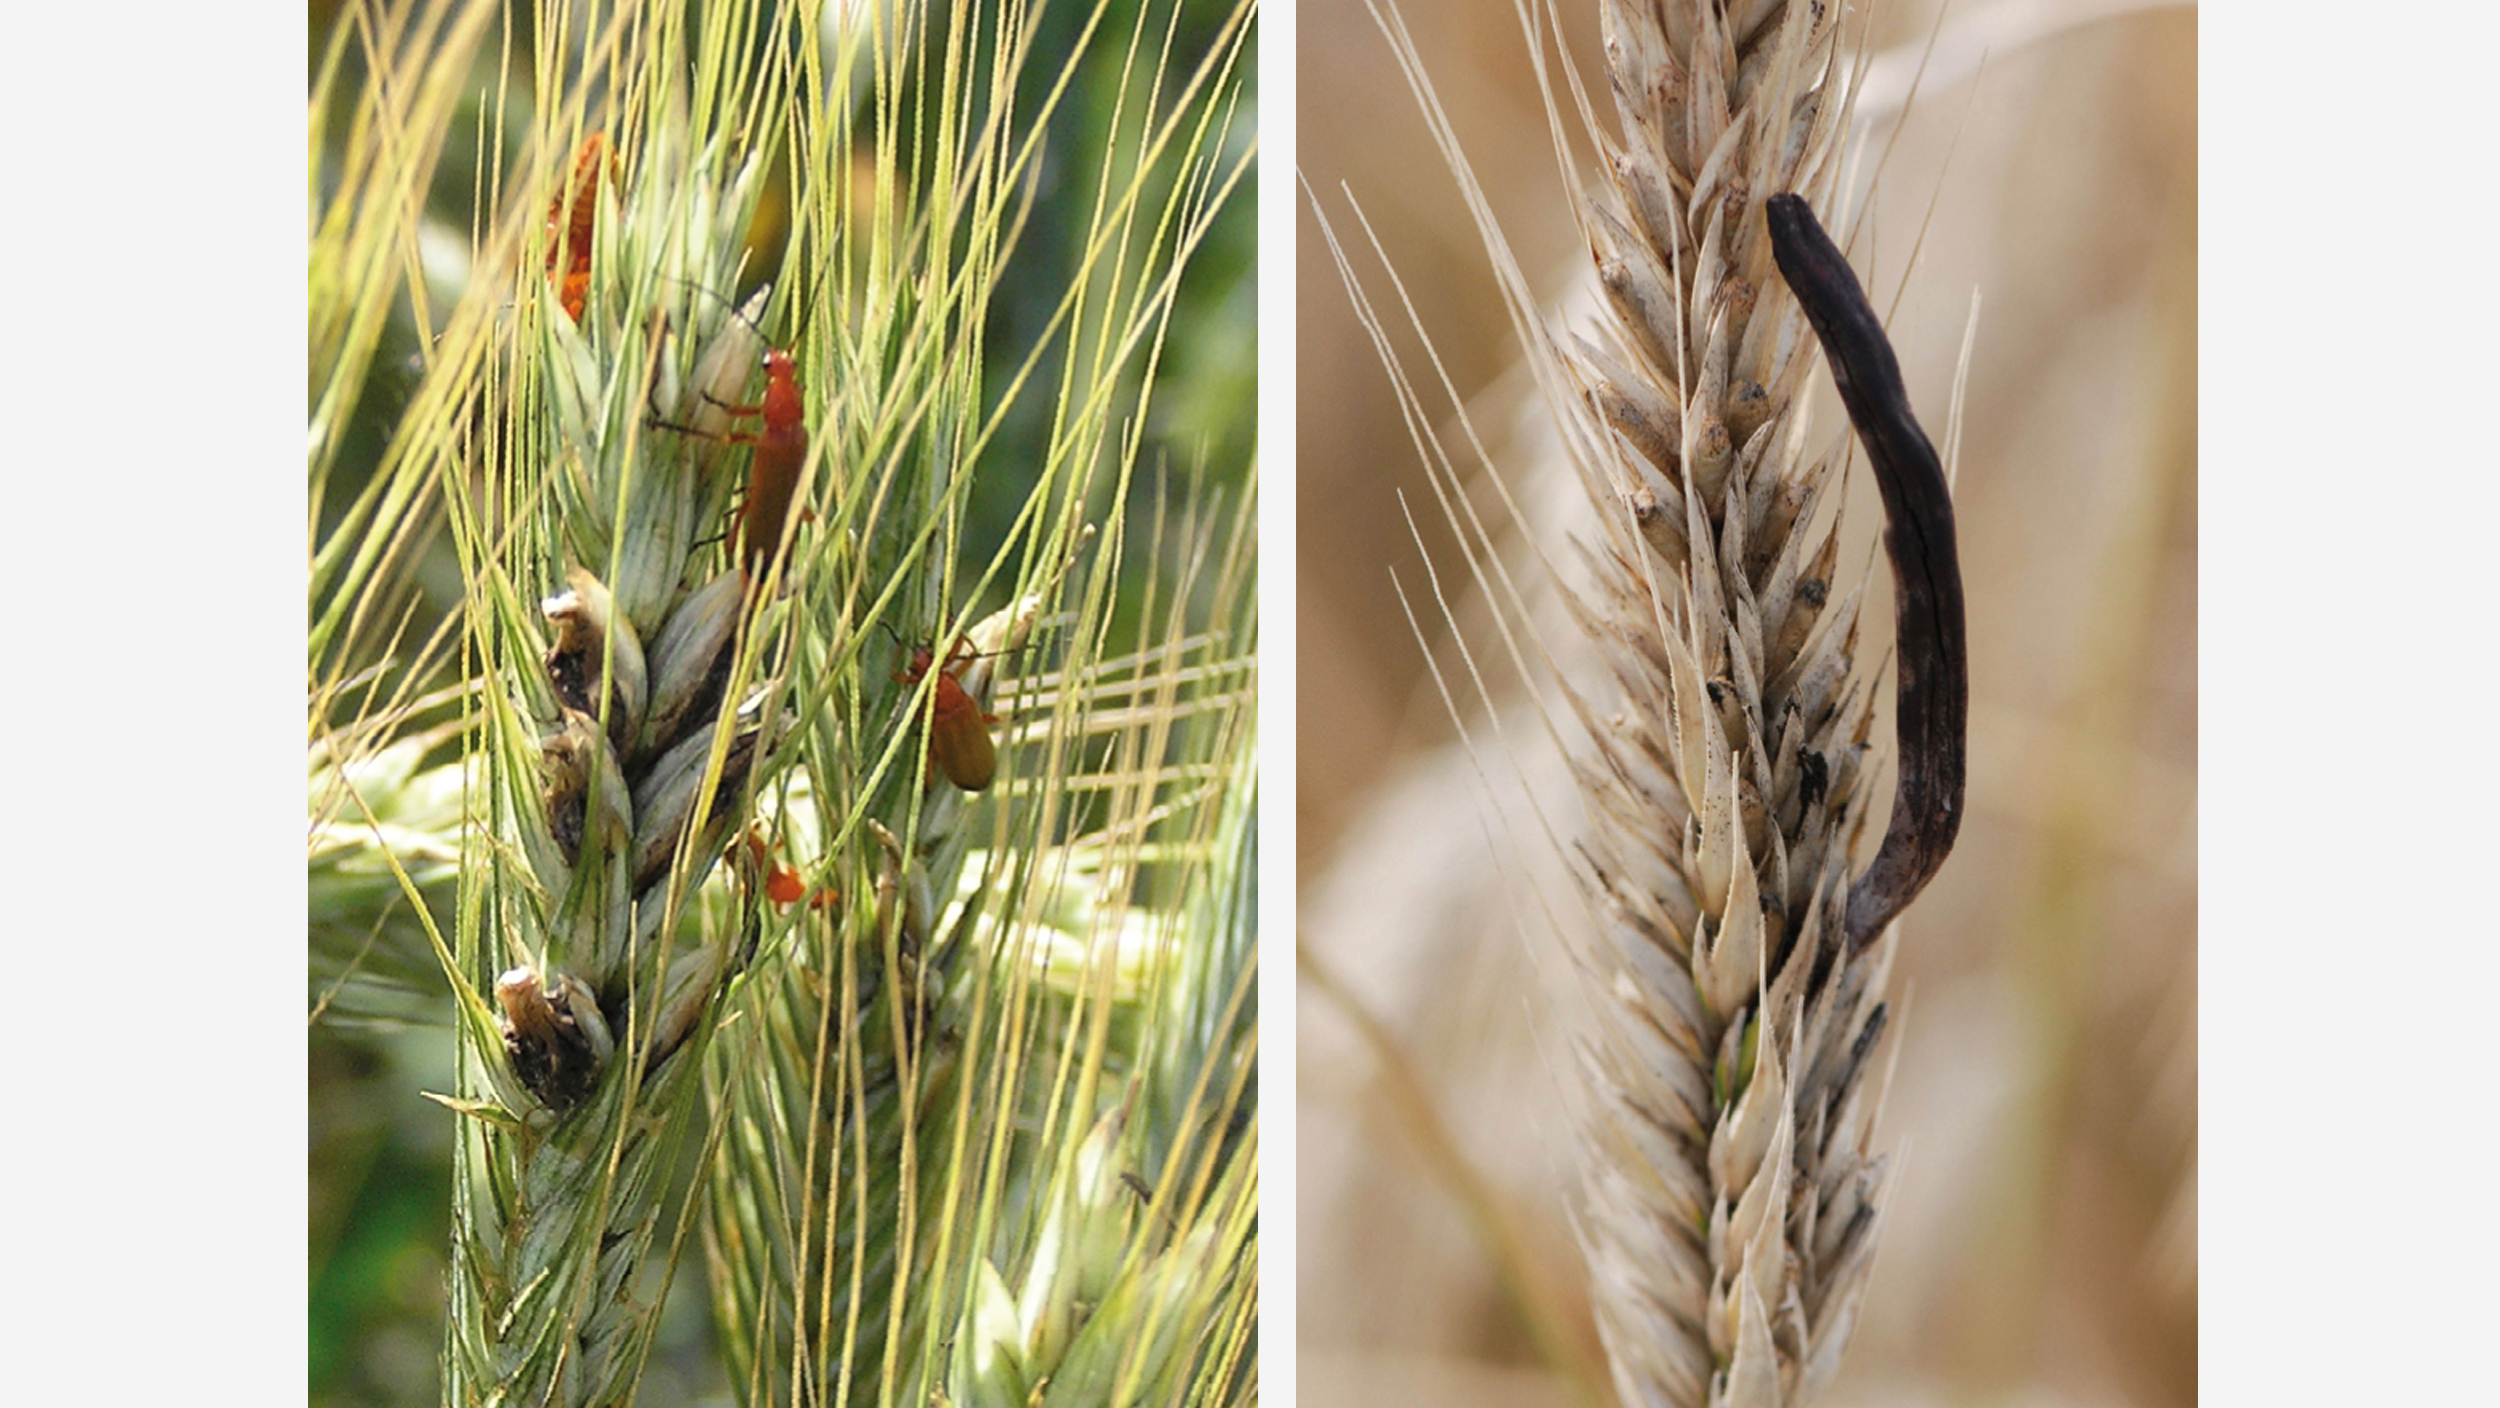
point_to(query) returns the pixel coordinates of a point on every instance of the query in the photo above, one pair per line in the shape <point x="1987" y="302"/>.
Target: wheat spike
<point x="1730" y="1192"/>
<point x="628" y="718"/>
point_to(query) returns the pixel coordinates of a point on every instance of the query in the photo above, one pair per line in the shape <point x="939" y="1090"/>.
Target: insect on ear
<point x="1932" y="670"/>
<point x="960" y="746"/>
<point x="780" y="452"/>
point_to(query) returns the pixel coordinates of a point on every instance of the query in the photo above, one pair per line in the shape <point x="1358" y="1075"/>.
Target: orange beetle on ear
<point x="959" y="732"/>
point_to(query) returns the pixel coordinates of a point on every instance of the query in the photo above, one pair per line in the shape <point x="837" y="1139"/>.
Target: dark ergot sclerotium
<point x="557" y="1041"/>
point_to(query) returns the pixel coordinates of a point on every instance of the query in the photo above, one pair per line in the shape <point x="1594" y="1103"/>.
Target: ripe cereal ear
<point x="1721" y="983"/>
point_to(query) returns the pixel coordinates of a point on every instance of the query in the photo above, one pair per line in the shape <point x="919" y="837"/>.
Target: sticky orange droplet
<point x="783" y="886"/>
<point x="570" y="220"/>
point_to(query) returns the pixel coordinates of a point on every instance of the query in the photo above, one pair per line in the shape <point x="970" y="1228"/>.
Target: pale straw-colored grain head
<point x="1726" y="1095"/>
<point x="2000" y="1232"/>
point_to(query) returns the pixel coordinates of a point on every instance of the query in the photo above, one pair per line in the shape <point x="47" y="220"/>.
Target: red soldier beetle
<point x="959" y="732"/>
<point x="780" y="455"/>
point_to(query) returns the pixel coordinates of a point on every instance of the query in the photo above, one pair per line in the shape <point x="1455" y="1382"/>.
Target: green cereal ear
<point x="1018" y="1051"/>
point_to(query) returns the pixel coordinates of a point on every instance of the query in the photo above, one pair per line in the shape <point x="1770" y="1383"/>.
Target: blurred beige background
<point x="2042" y="1115"/>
